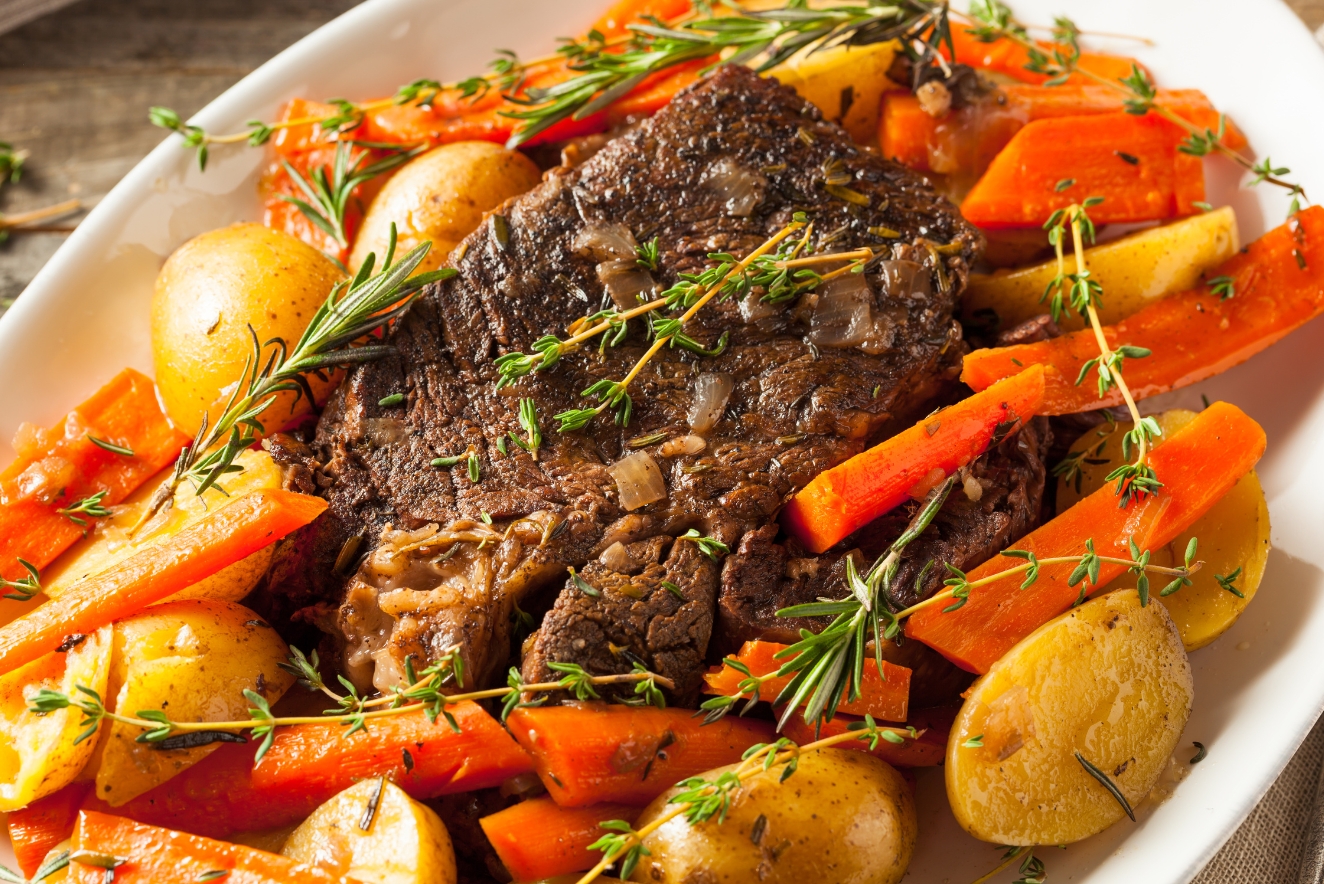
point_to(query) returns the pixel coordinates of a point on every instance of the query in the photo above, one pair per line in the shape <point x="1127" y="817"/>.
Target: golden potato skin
<point x="1233" y="534"/>
<point x="208" y="293"/>
<point x="441" y="197"/>
<point x="846" y="83"/>
<point x="1109" y="680"/>
<point x="193" y="660"/>
<point x="405" y="842"/>
<point x="843" y="817"/>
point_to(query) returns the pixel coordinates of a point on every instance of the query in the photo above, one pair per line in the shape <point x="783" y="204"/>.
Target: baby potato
<point x="846" y="83"/>
<point x="844" y="817"/>
<point x="1108" y="682"/>
<point x="207" y="295"/>
<point x="442" y="196"/>
<point x="1233" y="537"/>
<point x="1135" y="271"/>
<point x="401" y="842"/>
<point x="193" y="660"/>
<point x="38" y="754"/>
<point x="111" y="543"/>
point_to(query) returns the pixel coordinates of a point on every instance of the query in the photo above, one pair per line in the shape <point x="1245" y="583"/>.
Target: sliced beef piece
<point x="765" y="575"/>
<point x="723" y="167"/>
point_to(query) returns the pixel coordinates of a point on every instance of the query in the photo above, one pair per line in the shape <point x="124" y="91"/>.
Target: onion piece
<point x="638" y="480"/>
<point x="625" y="281"/>
<point x="684" y="445"/>
<point x="843" y="316"/>
<point x="742" y="189"/>
<point x="711" y="391"/>
<point x="616" y="557"/>
<point x="905" y="279"/>
<point x="603" y="241"/>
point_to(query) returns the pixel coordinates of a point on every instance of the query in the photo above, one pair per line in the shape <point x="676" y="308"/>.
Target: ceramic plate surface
<point x="1258" y="688"/>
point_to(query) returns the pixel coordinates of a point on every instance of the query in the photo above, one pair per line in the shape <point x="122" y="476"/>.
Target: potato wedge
<point x="846" y="83"/>
<point x="193" y="660"/>
<point x="1108" y="682"/>
<point x="38" y="753"/>
<point x="401" y="842"/>
<point x="111" y="542"/>
<point x="1233" y="537"/>
<point x="1134" y="271"/>
<point x="843" y="816"/>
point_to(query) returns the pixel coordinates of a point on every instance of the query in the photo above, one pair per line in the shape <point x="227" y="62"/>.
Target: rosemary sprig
<point x="1107" y="783"/>
<point x="354" y="310"/>
<point x="702" y="800"/>
<point x="56" y="863"/>
<point x="328" y="193"/>
<point x="87" y="506"/>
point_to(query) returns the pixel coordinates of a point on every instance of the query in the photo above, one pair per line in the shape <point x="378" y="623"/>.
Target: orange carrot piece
<point x="1020" y="188"/>
<point x="160" y="856"/>
<point x="1277" y="284"/>
<point x="933" y="725"/>
<point x="854" y="493"/>
<point x="36" y="829"/>
<point x="627" y="12"/>
<point x="223" y="537"/>
<point x="539" y="839"/>
<point x="61" y="465"/>
<point x="595" y="753"/>
<point x="886" y="697"/>
<point x="1010" y="58"/>
<point x="905" y="131"/>
<point x="1197" y="466"/>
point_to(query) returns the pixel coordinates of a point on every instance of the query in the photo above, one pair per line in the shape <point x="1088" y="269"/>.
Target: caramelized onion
<point x="626" y="282"/>
<point x="905" y="279"/>
<point x="711" y="391"/>
<point x="843" y="316"/>
<point x="639" y="480"/>
<point x="742" y="189"/>
<point x="602" y="241"/>
<point x="383" y="431"/>
<point x="684" y="445"/>
<point x="616" y="557"/>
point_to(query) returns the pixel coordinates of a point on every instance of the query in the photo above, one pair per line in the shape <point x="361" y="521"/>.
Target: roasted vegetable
<point x="374" y="832"/>
<point x="846" y="83"/>
<point x="1096" y="698"/>
<point x="538" y="839"/>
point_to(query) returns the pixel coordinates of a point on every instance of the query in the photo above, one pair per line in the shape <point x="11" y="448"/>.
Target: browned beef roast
<point x="721" y="168"/>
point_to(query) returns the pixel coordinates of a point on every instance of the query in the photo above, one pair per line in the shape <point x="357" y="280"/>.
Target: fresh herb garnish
<point x="87" y="506"/>
<point x="328" y="193"/>
<point x="1108" y="784"/>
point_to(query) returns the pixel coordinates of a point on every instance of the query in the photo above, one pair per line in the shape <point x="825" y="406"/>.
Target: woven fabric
<point x="1268" y="847"/>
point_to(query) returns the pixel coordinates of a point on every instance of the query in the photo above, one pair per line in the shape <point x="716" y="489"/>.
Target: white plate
<point x="1258" y="689"/>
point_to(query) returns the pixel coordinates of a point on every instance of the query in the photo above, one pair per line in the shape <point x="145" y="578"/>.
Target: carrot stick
<point x="1197" y="466"/>
<point x="36" y="829"/>
<point x="614" y="21"/>
<point x="1277" y="285"/>
<point x="153" y="855"/>
<point x="854" y="493"/>
<point x="1009" y="58"/>
<point x="538" y="838"/>
<point x="884" y="697"/>
<point x="1094" y="154"/>
<point x="59" y="466"/>
<point x="230" y="533"/>
<point x="595" y="753"/>
<point x="930" y="750"/>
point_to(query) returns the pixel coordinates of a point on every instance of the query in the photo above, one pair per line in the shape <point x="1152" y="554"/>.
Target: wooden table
<point x="74" y="91"/>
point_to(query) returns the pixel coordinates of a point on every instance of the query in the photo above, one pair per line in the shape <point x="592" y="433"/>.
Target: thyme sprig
<point x="88" y="506"/>
<point x="419" y="691"/>
<point x="25" y="589"/>
<point x="1032" y="869"/>
<point x="12" y="163"/>
<point x="701" y="799"/>
<point x="1069" y="469"/>
<point x="354" y="310"/>
<point x="1136" y="479"/>
<point x="329" y="188"/>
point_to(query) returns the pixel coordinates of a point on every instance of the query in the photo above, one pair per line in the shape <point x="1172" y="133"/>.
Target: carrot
<point x="929" y="750"/>
<point x="36" y="829"/>
<point x="1277" y="286"/>
<point x="595" y="753"/>
<point x="152" y="855"/>
<point x="885" y="697"/>
<point x="1197" y="466"/>
<point x="538" y="838"/>
<point x="613" y="22"/>
<point x="61" y="465"/>
<point x="1095" y="154"/>
<point x="1009" y="58"/>
<point x="912" y="137"/>
<point x="223" y="537"/>
<point x="854" y="493"/>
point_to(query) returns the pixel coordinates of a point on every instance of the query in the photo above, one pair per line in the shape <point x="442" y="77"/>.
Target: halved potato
<point x="846" y="83"/>
<point x="111" y="543"/>
<point x="192" y="660"/>
<point x="1135" y="271"/>
<point x="1233" y="535"/>
<point x="37" y="752"/>
<point x="1108" y="682"/>
<point x="400" y="842"/>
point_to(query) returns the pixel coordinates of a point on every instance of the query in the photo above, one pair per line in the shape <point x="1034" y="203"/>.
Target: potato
<point x="402" y="843"/>
<point x="111" y="542"/>
<point x="442" y="196"/>
<point x="1108" y="681"/>
<point x="209" y="291"/>
<point x="1134" y="271"/>
<point x="37" y="752"/>
<point x="1233" y="534"/>
<point x="844" y="817"/>
<point x="191" y="660"/>
<point x="846" y="83"/>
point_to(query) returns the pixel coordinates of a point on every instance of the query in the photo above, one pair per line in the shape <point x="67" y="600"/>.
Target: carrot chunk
<point x="36" y="829"/>
<point x="539" y="839"/>
<point x="1009" y="58"/>
<point x="932" y="724"/>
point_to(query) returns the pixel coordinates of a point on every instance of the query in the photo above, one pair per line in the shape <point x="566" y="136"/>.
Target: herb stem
<point x="55" y="211"/>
